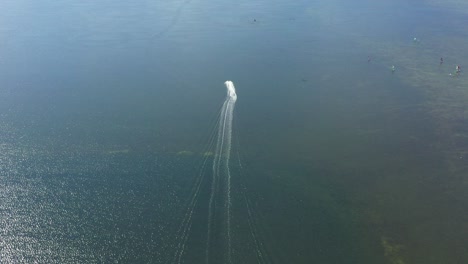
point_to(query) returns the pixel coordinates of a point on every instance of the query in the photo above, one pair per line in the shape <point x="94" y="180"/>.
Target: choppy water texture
<point x="109" y="122"/>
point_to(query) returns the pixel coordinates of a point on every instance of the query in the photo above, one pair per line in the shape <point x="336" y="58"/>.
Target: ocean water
<point x="112" y="149"/>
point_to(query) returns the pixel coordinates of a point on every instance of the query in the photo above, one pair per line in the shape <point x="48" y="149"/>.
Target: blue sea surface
<point x="109" y="122"/>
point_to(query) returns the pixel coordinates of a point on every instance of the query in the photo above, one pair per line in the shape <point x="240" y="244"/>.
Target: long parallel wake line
<point x="253" y="232"/>
<point x="188" y="219"/>
<point x="228" y="156"/>
<point x="174" y="20"/>
<point x="215" y="177"/>
<point x="185" y="227"/>
<point x="261" y="252"/>
<point x="232" y="97"/>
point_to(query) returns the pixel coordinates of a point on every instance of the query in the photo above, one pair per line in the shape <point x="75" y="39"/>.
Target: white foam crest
<point x="231" y="90"/>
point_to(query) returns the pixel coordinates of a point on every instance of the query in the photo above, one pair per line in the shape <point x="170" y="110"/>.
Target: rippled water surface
<point x="114" y="148"/>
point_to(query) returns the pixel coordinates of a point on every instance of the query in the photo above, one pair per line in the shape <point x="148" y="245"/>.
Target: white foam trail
<point x="221" y="165"/>
<point x="231" y="92"/>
